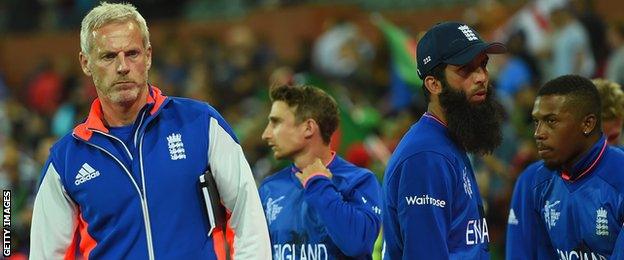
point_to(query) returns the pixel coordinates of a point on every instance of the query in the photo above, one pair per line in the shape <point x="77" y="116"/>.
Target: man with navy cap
<point x="431" y="203"/>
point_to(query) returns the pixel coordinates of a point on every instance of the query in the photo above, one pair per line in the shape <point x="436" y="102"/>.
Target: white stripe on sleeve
<point x="239" y="194"/>
<point x="54" y="219"/>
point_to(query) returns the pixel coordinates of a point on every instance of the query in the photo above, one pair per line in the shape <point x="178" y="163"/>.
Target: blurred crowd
<point x="233" y="74"/>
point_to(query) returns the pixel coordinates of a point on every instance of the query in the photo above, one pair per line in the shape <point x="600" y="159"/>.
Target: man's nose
<point x="266" y="134"/>
<point x="122" y="67"/>
<point x="538" y="134"/>
<point x="480" y="75"/>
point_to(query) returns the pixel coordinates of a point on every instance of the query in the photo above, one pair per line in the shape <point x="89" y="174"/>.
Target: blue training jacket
<point x="432" y="208"/>
<point x="111" y="200"/>
<point x="575" y="215"/>
<point x="328" y="219"/>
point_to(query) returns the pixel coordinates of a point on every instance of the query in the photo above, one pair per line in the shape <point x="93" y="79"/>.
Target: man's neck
<point x="589" y="144"/>
<point x="122" y="114"/>
<point x="436" y="110"/>
<point x="308" y="156"/>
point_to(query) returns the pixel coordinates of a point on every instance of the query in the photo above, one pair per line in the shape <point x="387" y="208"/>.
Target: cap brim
<point x="471" y="52"/>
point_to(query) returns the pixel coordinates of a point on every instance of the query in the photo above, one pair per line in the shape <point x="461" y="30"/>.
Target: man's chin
<point x="125" y="96"/>
<point x="551" y="165"/>
<point x="279" y="156"/>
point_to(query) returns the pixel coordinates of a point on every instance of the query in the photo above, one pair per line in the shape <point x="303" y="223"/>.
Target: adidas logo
<point x="85" y="173"/>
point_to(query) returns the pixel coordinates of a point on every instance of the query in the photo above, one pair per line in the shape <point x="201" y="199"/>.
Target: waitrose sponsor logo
<point x="423" y="200"/>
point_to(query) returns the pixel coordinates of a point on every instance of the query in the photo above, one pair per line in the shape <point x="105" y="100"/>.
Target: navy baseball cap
<point x="451" y="43"/>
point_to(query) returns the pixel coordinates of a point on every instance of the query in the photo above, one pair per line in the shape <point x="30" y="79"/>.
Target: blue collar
<point x="294" y="169"/>
<point x="588" y="162"/>
<point x="432" y="118"/>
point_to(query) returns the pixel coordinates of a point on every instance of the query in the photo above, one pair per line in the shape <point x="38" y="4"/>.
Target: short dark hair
<point x="437" y="72"/>
<point x="584" y="96"/>
<point x="310" y="102"/>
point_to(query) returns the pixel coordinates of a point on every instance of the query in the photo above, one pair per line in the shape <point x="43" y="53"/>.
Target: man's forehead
<point x="280" y="109"/>
<point x="115" y="27"/>
<point x="117" y="30"/>
<point x="550" y="104"/>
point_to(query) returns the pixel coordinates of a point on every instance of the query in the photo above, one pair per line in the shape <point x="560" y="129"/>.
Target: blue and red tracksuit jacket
<point x="337" y="218"/>
<point x="570" y="215"/>
<point x="103" y="198"/>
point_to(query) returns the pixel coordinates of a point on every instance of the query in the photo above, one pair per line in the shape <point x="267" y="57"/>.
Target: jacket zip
<point x="143" y="201"/>
<point x="137" y="130"/>
<point x="146" y="218"/>
<point x="115" y="138"/>
<point x="141" y="191"/>
<point x="148" y="225"/>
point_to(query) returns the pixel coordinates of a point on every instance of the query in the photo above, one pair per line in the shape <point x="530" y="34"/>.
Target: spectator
<point x="615" y="67"/>
<point x="612" y="102"/>
<point x="570" y="47"/>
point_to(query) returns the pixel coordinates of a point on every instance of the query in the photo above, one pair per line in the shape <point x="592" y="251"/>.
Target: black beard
<point x="475" y="128"/>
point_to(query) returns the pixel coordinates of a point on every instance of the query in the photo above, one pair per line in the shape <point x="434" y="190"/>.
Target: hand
<point x="313" y="169"/>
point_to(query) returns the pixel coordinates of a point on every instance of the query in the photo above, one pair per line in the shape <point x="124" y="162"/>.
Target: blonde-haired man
<point x="125" y="183"/>
<point x="612" y="101"/>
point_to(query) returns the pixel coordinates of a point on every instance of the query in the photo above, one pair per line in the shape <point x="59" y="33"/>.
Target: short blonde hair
<point x="107" y="13"/>
<point x="611" y="97"/>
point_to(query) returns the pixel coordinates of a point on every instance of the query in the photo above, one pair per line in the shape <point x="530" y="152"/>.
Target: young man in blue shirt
<point x="432" y="208"/>
<point x="321" y="206"/>
<point x="570" y="204"/>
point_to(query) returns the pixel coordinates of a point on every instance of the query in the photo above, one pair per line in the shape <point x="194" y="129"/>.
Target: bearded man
<point x="431" y="203"/>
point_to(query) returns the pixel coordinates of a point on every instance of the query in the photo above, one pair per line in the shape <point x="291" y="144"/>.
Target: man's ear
<point x="148" y="52"/>
<point x="310" y="128"/>
<point x="433" y="85"/>
<point x="84" y="63"/>
<point x="589" y="123"/>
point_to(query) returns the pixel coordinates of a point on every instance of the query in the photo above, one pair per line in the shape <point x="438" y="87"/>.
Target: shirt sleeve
<point x="352" y="220"/>
<point x="54" y="219"/>
<point x="521" y="222"/>
<point x="618" y="249"/>
<point x="422" y="190"/>
<point x="527" y="237"/>
<point x="238" y="192"/>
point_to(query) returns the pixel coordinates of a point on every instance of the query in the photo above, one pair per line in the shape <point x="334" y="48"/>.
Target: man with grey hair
<point x="125" y="184"/>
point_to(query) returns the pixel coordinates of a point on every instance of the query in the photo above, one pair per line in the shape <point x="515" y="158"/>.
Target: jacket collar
<point x="95" y="120"/>
<point x="431" y="117"/>
<point x="294" y="169"/>
<point x="587" y="163"/>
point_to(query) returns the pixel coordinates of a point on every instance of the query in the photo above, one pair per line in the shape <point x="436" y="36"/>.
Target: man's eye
<point x="464" y="71"/>
<point x="484" y="63"/>
<point x="109" y="56"/>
